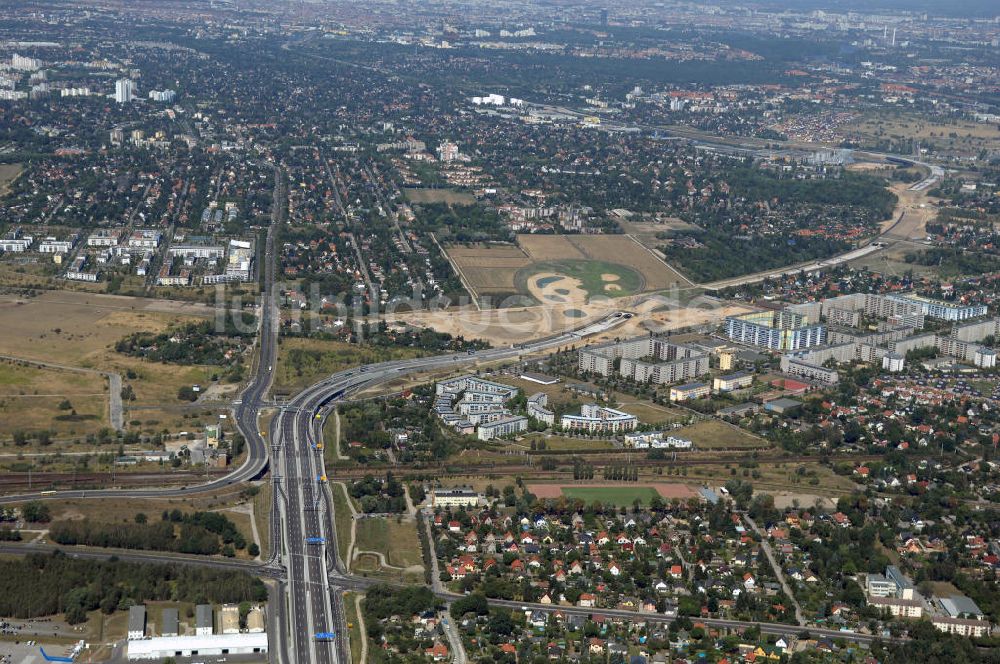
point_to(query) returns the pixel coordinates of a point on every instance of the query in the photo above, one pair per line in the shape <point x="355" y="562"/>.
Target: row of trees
<point x="205" y="533"/>
<point x="43" y="585"/>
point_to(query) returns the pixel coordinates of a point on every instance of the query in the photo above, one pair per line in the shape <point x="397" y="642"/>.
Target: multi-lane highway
<point x="303" y="536"/>
<point x="306" y="508"/>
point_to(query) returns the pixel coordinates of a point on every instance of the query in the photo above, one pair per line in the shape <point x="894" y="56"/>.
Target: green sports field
<point x="619" y="496"/>
<point x="590" y="273"/>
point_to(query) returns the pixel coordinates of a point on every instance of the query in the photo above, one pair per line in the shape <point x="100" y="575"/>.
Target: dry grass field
<point x="8" y="173"/>
<point x="449" y="196"/>
<point x="559" y="395"/>
<point x="713" y="434"/>
<point x="489" y="269"/>
<point x="956" y="137"/>
<point x="31" y="396"/>
<point x="80" y="330"/>
<point x="301" y="362"/>
<point x="124" y="511"/>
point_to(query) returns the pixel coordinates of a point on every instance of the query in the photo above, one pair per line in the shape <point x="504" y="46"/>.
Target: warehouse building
<point x="136" y="621"/>
<point x="204" y="623"/>
<point x="169" y="622"/>
<point x="161" y="647"/>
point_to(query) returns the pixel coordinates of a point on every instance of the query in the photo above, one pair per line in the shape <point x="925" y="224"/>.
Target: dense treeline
<point x="376" y="495"/>
<point x="849" y="189"/>
<point x="193" y="343"/>
<point x="462" y="223"/>
<point x="927" y="644"/>
<point x="424" y="338"/>
<point x="42" y="585"/>
<point x="381" y="602"/>
<point x="204" y="533"/>
<point x="955" y="261"/>
<point x="370" y="422"/>
<point x="723" y="257"/>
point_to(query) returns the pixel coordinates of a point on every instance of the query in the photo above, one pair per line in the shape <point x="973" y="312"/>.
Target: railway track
<point x="564" y="467"/>
<point x="43" y="481"/>
<point x="60" y="481"/>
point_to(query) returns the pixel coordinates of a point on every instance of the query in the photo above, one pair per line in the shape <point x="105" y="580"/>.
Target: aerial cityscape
<point x="413" y="331"/>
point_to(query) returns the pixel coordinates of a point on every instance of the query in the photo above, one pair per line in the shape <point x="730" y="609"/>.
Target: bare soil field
<point x="904" y="233"/>
<point x="665" y="225"/>
<point x="517" y="325"/>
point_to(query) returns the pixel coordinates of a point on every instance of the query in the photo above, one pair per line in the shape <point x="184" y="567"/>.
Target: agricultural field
<point x="449" y="196"/>
<point x="488" y="269"/>
<point x="562" y="269"/>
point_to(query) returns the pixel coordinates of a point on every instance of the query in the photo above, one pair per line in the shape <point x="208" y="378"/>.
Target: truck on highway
<point x="315" y="540"/>
<point x="326" y="636"/>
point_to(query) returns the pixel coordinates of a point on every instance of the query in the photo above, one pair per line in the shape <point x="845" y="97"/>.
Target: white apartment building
<point x="537" y="408"/>
<point x="599" y="419"/>
<point x="504" y="426"/>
